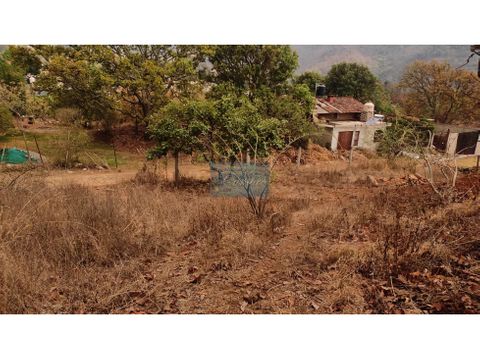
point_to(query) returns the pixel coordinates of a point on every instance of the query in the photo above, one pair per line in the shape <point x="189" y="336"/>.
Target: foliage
<point x="69" y="116"/>
<point x="405" y="136"/>
<point x="351" y="79"/>
<point x="37" y="106"/>
<point x="251" y="67"/>
<point x="69" y="147"/>
<point x="25" y="59"/>
<point x="174" y="131"/>
<point x="436" y="90"/>
<point x="310" y="78"/>
<point x="81" y="84"/>
<point x="134" y="80"/>
<point x="147" y="77"/>
<point x="9" y="73"/>
<point x="5" y="119"/>
<point x="262" y="75"/>
<point x="13" y="97"/>
<point x="294" y="107"/>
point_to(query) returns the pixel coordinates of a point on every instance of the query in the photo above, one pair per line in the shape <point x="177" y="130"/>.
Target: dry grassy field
<point x="332" y="242"/>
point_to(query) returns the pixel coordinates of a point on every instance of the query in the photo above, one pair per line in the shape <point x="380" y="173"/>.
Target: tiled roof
<point x="337" y="104"/>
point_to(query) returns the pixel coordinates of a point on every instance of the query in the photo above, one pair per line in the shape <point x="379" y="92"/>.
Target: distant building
<point x="347" y="123"/>
<point x="456" y="140"/>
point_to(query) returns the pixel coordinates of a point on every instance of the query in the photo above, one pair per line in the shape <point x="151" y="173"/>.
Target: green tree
<point x="9" y="73"/>
<point x="294" y="107"/>
<point x="25" y="58"/>
<point x="13" y="98"/>
<point x="310" y="79"/>
<point x="5" y="119"/>
<point x="147" y="77"/>
<point x="351" y="79"/>
<point x="251" y="67"/>
<point x="80" y="84"/>
<point x="176" y="132"/>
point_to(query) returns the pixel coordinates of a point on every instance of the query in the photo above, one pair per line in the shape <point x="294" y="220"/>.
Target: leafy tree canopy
<point x="351" y="79"/>
<point x="9" y="73"/>
<point x="78" y="83"/>
<point x="25" y="58"/>
<point x="436" y="90"/>
<point x="310" y="79"/>
<point x="251" y="67"/>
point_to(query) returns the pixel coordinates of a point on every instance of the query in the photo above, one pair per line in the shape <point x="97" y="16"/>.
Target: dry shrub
<point x="60" y="233"/>
<point x="69" y="116"/>
<point x="373" y="164"/>
<point x="404" y="164"/>
<point x="147" y="175"/>
<point x="69" y="147"/>
<point x="228" y="232"/>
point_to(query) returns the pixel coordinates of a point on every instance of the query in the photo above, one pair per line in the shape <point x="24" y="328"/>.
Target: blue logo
<point x="239" y="179"/>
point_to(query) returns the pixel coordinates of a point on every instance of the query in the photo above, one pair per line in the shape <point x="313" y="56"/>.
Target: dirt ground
<point x="319" y="250"/>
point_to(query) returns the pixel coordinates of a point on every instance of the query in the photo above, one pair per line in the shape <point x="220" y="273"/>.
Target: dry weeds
<point x="329" y="244"/>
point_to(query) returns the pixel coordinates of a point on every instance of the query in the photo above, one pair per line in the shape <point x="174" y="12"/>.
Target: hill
<point x="385" y="61"/>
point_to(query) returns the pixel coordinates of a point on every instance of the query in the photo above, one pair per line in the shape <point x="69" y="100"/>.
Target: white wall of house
<point x="366" y="136"/>
<point x="451" y="144"/>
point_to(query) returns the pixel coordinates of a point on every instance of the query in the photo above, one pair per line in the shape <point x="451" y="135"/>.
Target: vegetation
<point x="6" y="119"/>
<point x="310" y="79"/>
<point x="405" y="136"/>
<point x="135" y="249"/>
<point x="351" y="79"/>
<point x="377" y="234"/>
<point x="438" y="91"/>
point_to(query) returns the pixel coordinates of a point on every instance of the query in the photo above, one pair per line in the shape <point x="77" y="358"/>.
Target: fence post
<point x="115" y="154"/>
<point x="38" y="148"/>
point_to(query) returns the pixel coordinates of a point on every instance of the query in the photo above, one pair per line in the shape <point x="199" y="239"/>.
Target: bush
<point x="70" y="147"/>
<point x="5" y="119"/>
<point x="38" y="106"/>
<point x="69" y="116"/>
<point x="405" y="136"/>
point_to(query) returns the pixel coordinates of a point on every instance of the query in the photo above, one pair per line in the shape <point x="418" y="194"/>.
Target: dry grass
<point x="328" y="244"/>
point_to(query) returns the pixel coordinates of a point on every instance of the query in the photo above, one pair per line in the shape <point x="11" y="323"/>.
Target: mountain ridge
<point x="387" y="62"/>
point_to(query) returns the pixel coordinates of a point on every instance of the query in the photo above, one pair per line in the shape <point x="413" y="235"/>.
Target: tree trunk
<point x="177" y="170"/>
<point x="299" y="156"/>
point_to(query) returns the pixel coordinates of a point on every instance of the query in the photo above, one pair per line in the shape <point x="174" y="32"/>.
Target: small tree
<point x="405" y="136"/>
<point x="175" y="132"/>
<point x="414" y="138"/>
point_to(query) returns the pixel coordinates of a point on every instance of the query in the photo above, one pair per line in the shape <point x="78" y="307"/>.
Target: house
<point x="456" y="140"/>
<point x="347" y="123"/>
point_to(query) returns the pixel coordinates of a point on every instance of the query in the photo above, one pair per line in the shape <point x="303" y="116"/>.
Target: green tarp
<point x="13" y="156"/>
